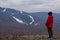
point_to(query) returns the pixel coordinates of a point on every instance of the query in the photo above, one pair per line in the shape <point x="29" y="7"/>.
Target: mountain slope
<point x="15" y="22"/>
<point x="7" y="13"/>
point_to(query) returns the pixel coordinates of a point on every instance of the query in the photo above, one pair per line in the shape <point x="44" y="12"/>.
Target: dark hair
<point x="49" y="13"/>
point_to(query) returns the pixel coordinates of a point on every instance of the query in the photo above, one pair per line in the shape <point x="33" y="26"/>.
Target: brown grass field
<point x="28" y="37"/>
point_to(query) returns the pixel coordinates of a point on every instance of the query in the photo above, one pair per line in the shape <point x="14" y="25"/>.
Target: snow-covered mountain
<point x="9" y="15"/>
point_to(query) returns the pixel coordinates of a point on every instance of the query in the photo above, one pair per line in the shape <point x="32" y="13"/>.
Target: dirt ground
<point x="28" y="37"/>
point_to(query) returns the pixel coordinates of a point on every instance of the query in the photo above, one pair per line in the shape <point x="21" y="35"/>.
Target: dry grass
<point x="27" y="37"/>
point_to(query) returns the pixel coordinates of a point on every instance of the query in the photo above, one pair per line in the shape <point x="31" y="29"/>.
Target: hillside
<point x="26" y="23"/>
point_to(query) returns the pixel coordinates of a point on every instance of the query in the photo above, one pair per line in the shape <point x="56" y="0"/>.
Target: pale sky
<point x="32" y="5"/>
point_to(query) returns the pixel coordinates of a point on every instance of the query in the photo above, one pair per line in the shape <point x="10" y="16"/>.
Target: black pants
<point x="50" y="32"/>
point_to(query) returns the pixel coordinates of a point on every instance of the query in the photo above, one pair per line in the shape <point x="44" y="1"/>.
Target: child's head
<point x="50" y="13"/>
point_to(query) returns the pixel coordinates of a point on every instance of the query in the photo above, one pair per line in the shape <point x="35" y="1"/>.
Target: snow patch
<point x="31" y="18"/>
<point x="4" y="10"/>
<point x="12" y="14"/>
<point x="36" y="24"/>
<point x="18" y="20"/>
<point x="21" y="12"/>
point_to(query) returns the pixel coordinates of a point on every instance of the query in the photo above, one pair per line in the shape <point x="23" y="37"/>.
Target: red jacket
<point x="49" y="22"/>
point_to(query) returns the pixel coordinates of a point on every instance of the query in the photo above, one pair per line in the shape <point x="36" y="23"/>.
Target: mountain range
<point x="20" y="22"/>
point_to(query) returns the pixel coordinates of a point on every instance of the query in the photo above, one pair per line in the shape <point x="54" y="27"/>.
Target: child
<point x="49" y="24"/>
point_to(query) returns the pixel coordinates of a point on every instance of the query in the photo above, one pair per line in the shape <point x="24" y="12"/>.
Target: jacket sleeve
<point x="47" y="21"/>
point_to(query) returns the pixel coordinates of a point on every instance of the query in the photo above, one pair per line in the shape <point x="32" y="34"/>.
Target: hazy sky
<point x="32" y="5"/>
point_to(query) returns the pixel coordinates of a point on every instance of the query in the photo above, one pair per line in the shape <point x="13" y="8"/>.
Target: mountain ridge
<point x="9" y="25"/>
